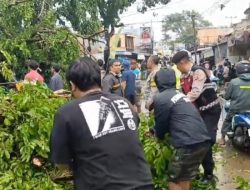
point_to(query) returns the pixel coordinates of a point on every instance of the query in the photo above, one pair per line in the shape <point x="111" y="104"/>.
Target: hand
<point x="148" y="134"/>
<point x="116" y="86"/>
<point x="37" y="162"/>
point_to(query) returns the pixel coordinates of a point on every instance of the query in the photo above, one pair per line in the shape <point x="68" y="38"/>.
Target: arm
<point x="161" y="120"/>
<point x="229" y="90"/>
<point x="199" y="78"/>
<point x="59" y="143"/>
<point x="107" y="84"/>
<point x="149" y="105"/>
<point x="52" y="84"/>
<point x="124" y="81"/>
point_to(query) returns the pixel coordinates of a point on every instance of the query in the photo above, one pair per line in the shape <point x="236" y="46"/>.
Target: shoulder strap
<point x="196" y="67"/>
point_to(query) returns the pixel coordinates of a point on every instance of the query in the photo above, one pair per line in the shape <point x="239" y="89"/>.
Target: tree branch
<point x="18" y="2"/>
<point x="41" y="12"/>
<point x="90" y="36"/>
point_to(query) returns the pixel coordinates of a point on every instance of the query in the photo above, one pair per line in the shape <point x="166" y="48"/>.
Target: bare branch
<point x="18" y="2"/>
<point x="90" y="36"/>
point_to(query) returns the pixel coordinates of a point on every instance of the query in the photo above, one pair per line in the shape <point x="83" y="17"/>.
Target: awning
<point x="208" y="53"/>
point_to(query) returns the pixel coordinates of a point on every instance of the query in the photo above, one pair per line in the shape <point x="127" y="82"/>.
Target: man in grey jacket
<point x="238" y="92"/>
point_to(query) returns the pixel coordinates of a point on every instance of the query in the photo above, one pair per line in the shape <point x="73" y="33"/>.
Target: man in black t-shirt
<point x="96" y="135"/>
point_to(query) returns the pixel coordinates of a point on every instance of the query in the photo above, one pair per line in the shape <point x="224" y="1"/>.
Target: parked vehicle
<point x="240" y="134"/>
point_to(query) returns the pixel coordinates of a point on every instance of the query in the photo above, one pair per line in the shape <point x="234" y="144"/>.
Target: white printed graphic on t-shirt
<point x="103" y="117"/>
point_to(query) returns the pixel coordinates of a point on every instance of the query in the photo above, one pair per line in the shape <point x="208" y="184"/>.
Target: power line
<point x="217" y="4"/>
<point x="146" y="22"/>
<point x="153" y="9"/>
<point x="231" y="18"/>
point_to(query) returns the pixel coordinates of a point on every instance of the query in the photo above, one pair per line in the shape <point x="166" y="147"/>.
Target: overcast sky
<point x="208" y="8"/>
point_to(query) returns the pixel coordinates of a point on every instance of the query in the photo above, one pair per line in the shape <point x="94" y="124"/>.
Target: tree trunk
<point x="108" y="36"/>
<point x="107" y="48"/>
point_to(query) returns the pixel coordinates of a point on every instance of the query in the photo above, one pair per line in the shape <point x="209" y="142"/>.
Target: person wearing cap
<point x="128" y="82"/>
<point x="177" y="116"/>
<point x="151" y="89"/>
<point x="33" y="75"/>
<point x="238" y="92"/>
<point x="200" y="91"/>
<point x="56" y="81"/>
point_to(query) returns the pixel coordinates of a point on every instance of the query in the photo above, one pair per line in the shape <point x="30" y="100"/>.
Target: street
<point x="230" y="163"/>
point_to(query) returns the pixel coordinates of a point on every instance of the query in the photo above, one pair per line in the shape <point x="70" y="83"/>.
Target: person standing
<point x="199" y="89"/>
<point x="178" y="77"/>
<point x="177" y="116"/>
<point x="96" y="135"/>
<point x="101" y="65"/>
<point x="56" y="82"/>
<point x="151" y="89"/>
<point x="210" y="74"/>
<point x="226" y="73"/>
<point x="220" y="74"/>
<point x="209" y="70"/>
<point x="33" y="75"/>
<point x="112" y="81"/>
<point x="137" y="72"/>
<point x="128" y="82"/>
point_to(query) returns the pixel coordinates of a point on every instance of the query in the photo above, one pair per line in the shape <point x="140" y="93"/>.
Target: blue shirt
<point x="137" y="73"/>
<point x="129" y="77"/>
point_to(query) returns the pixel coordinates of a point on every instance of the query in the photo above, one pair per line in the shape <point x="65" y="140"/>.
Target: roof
<point x="247" y="11"/>
<point x="208" y="36"/>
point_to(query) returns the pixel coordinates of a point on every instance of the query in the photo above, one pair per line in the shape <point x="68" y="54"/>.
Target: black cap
<point x="179" y="56"/>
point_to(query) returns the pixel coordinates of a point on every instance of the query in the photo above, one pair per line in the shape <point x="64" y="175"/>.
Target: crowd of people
<point x="96" y="134"/>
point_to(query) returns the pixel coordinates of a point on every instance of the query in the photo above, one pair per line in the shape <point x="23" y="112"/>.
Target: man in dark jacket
<point x="200" y="91"/>
<point x="238" y="92"/>
<point x="176" y="115"/>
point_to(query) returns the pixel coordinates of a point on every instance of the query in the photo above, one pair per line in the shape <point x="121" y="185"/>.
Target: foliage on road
<point x="158" y="155"/>
<point x="242" y="184"/>
<point x="25" y="125"/>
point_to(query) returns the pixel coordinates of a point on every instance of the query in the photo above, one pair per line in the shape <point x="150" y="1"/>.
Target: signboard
<point x="146" y="40"/>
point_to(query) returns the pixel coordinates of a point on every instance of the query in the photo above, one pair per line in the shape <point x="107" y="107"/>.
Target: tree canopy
<point x="38" y="29"/>
<point x="29" y="30"/>
<point x="181" y="25"/>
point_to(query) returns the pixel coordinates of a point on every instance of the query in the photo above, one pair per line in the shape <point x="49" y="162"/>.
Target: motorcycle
<point x="240" y="131"/>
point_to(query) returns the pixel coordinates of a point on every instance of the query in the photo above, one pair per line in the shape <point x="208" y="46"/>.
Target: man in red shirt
<point x="33" y="75"/>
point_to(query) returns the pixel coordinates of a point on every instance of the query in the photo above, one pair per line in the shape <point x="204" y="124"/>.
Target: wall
<point x="209" y="36"/>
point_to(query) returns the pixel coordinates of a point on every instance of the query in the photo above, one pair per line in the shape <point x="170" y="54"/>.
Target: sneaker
<point x="222" y="142"/>
<point x="208" y="179"/>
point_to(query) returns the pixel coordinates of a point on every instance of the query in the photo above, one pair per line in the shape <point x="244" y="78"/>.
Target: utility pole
<point x="231" y="18"/>
<point x="195" y="45"/>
